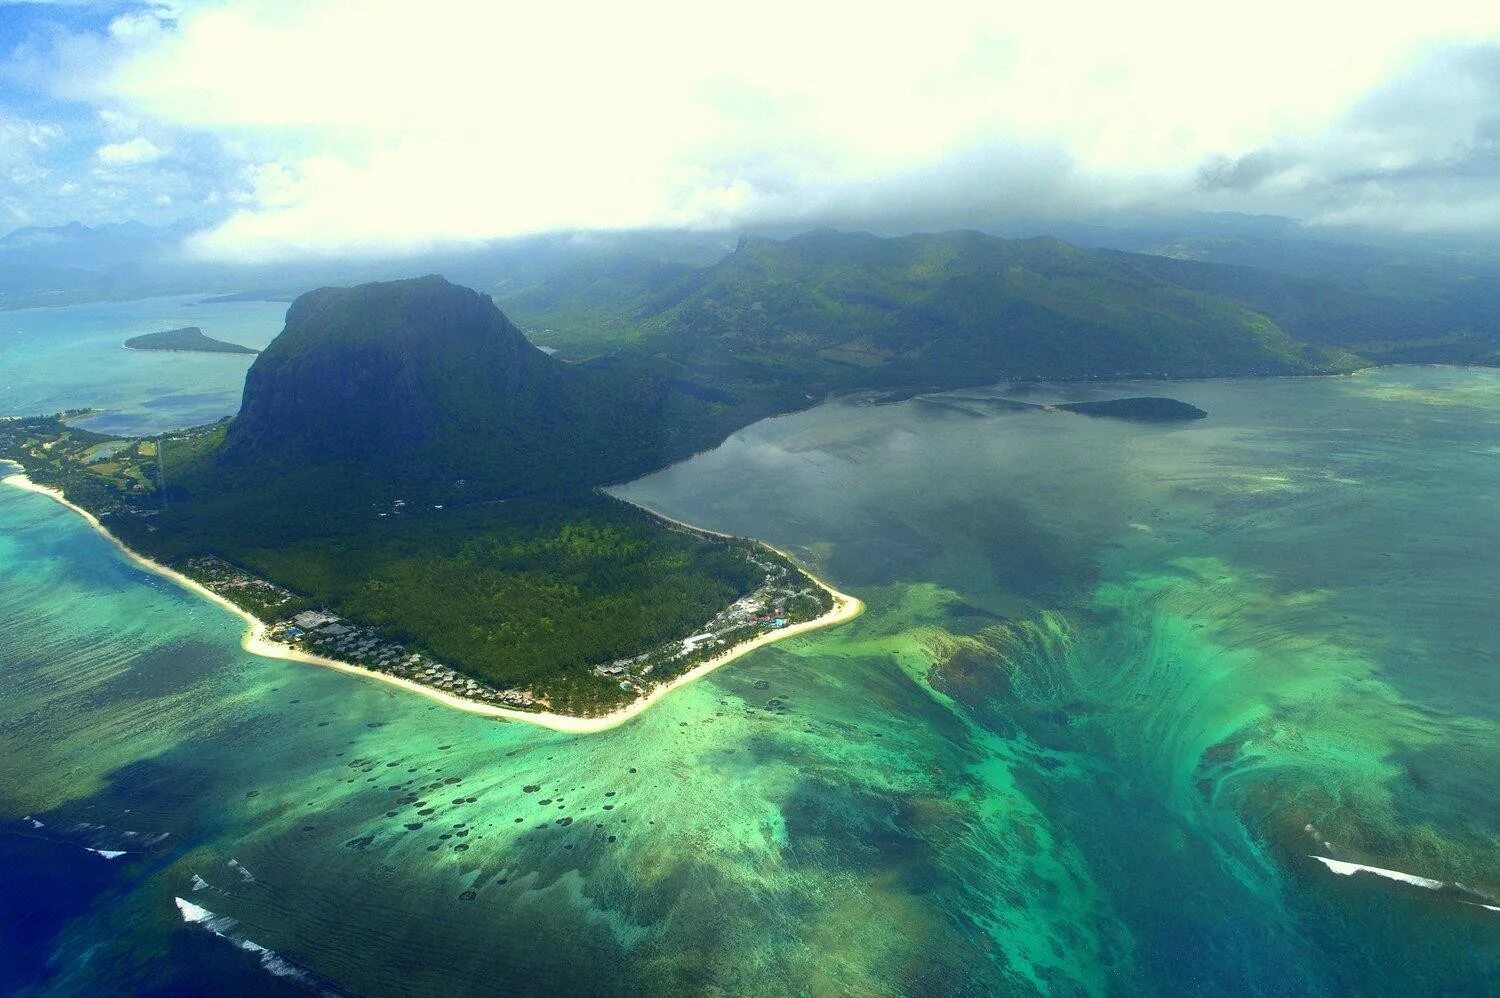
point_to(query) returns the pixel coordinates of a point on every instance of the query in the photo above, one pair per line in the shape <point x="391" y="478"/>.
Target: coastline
<point x="255" y="641"/>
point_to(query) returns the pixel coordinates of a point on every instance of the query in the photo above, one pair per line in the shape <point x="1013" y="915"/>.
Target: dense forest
<point x="528" y="594"/>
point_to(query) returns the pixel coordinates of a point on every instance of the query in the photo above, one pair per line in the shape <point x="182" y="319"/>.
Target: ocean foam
<point x="222" y="926"/>
<point x="1350" y="869"/>
<point x="271" y="961"/>
<point x="196" y="914"/>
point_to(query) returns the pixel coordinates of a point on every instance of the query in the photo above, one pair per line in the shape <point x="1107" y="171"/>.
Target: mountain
<point x="421" y="384"/>
<point x="1392" y="300"/>
<point x="80" y="247"/>
<point x="73" y="263"/>
<point x="835" y="310"/>
<point x="70" y="263"/>
<point x="405" y="458"/>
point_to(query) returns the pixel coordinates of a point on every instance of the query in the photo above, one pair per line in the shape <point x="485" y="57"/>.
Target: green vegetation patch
<point x="519" y="595"/>
<point x="188" y="339"/>
<point x="526" y="594"/>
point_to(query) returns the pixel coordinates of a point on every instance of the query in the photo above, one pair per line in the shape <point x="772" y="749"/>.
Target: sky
<point x="286" y="129"/>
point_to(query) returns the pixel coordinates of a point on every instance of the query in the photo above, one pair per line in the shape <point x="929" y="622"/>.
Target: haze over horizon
<point x="327" y="127"/>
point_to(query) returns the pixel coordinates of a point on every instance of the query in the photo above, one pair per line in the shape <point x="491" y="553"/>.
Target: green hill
<point x="1409" y="299"/>
<point x="835" y="311"/>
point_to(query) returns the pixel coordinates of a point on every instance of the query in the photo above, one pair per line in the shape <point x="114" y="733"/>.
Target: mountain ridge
<point x="861" y="310"/>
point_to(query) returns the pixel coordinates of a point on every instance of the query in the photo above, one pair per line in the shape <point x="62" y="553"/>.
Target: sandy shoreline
<point x="256" y="642"/>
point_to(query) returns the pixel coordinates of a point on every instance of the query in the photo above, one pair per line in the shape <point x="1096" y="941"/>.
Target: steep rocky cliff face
<point x="428" y="383"/>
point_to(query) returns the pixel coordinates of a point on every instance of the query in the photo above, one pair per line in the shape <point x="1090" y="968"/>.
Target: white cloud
<point x="23" y="154"/>
<point x="21" y="137"/>
<point x="117" y="121"/>
<point x="130" y="152"/>
<point x="374" y="124"/>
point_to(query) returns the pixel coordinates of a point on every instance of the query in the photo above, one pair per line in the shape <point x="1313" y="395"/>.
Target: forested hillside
<point x="831" y="310"/>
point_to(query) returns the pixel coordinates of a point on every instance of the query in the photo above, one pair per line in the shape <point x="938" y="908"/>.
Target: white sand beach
<point x="255" y="638"/>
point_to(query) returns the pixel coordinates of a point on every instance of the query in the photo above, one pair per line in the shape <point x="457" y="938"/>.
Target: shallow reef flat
<point x="1116" y="684"/>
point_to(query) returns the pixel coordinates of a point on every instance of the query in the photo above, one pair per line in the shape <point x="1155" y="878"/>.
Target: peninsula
<point x="188" y="339"/>
<point x="438" y="524"/>
<point x="412" y="488"/>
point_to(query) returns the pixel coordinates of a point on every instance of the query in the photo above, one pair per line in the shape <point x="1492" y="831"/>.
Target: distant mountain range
<point x="929" y="304"/>
<point x="73" y="263"/>
<point x="80" y="247"/>
<point x="1389" y="300"/>
<point x="837" y="311"/>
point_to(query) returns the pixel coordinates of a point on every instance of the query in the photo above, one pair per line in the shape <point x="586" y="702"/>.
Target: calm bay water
<point x="72" y="357"/>
<point x="1116" y="683"/>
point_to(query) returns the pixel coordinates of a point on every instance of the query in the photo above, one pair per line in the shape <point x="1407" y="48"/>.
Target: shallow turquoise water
<point x="70" y="357"/>
<point x="1115" y="683"/>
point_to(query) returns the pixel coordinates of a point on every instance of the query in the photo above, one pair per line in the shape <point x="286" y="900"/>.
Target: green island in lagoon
<point x="187" y="339"/>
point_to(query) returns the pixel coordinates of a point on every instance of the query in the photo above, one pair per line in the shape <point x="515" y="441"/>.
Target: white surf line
<point x="255" y="641"/>
<point x="223" y="926"/>
<point x="1350" y="869"/>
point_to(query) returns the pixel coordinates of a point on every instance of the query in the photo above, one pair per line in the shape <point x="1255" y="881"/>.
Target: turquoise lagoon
<point x="74" y="357"/>
<point x="1118" y="683"/>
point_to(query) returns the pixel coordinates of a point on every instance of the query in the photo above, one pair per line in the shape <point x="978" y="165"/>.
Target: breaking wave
<point x="223" y="926"/>
<point x="1350" y="869"/>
